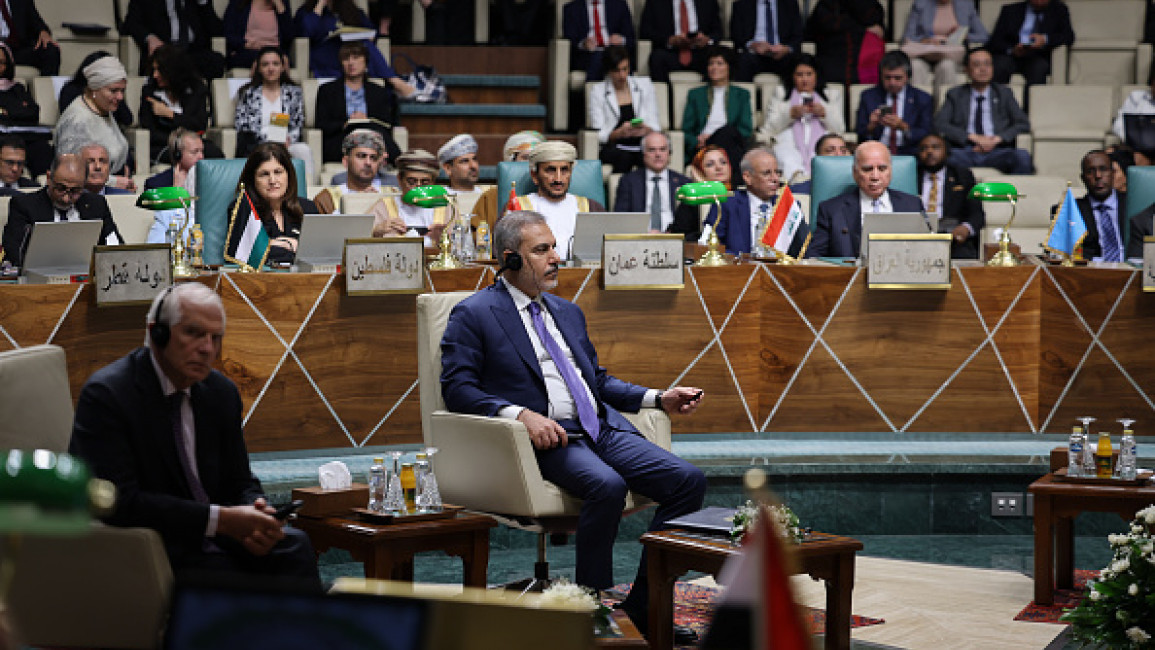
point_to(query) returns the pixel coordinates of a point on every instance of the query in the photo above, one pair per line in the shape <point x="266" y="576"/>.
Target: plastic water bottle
<point x="483" y="243"/>
<point x="173" y="233"/>
<point x="1075" y="452"/>
<point x="759" y="249"/>
<point x="462" y="238"/>
<point x="1125" y="468"/>
<point x="377" y="483"/>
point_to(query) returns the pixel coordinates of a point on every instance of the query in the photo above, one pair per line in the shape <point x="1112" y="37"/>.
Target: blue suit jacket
<point x="917" y="111"/>
<point x="488" y="361"/>
<point x="838" y="226"/>
<point x="734" y="228"/>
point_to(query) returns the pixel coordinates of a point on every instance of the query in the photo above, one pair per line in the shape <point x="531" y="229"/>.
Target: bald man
<point x="63" y="198"/>
<point x="838" y="226"/>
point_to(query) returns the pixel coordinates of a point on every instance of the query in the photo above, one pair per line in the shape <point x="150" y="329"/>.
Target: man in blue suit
<point x="894" y="112"/>
<point x="514" y="351"/>
<point x="838" y="226"/>
<point x="738" y="229"/>
<point x="614" y="26"/>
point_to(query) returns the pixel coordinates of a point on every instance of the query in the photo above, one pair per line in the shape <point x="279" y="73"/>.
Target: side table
<point x="387" y="550"/>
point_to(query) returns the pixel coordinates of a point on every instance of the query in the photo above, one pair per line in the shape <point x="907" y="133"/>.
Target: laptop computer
<point x="230" y="616"/>
<point x="58" y="250"/>
<point x="321" y="244"/>
<point x="591" y="227"/>
<point x="910" y="223"/>
<point x="1139" y="131"/>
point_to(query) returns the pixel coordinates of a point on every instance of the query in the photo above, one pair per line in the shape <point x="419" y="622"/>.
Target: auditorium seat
<point x="132" y="222"/>
<point x="1066" y="122"/>
<point x="586" y="180"/>
<point x="1140" y="189"/>
<point x="1107" y="36"/>
<point x="832" y="175"/>
<point x="1033" y="212"/>
<point x="488" y="464"/>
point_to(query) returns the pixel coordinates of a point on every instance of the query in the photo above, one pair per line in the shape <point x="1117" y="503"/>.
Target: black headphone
<point x="159" y="330"/>
<point x="513" y="261"/>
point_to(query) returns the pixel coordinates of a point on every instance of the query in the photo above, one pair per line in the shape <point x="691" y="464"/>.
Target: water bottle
<point x="462" y="238"/>
<point x="1125" y="468"/>
<point x="759" y="249"/>
<point x="483" y="244"/>
<point x="377" y="485"/>
<point x="1075" y="452"/>
<point x="172" y="234"/>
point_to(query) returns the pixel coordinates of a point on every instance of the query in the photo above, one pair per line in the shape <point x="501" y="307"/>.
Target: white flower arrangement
<point x="1119" y="611"/>
<point x="784" y="520"/>
<point x="563" y="594"/>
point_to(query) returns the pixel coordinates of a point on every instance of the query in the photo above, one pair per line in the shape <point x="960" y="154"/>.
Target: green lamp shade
<point x="164" y="198"/>
<point x="995" y="192"/>
<point x="702" y="193"/>
<point x="427" y="196"/>
<point x="43" y="492"/>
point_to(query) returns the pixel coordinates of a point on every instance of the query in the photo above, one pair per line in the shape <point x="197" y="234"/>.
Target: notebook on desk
<point x="60" y="249"/>
<point x="590" y="229"/>
<point x="321" y="244"/>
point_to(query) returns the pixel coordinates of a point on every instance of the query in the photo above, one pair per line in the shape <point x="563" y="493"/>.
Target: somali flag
<point x="1068" y="229"/>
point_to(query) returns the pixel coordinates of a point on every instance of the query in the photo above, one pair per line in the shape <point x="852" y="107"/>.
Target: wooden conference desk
<point x="776" y="348"/>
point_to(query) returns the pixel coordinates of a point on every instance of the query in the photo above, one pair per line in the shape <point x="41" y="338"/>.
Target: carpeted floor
<point x="1064" y="599"/>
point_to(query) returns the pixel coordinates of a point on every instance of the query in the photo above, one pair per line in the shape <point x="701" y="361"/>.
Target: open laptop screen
<point x="591" y="227"/>
<point x="908" y="223"/>
<point x="62" y="245"/>
<point x="323" y="236"/>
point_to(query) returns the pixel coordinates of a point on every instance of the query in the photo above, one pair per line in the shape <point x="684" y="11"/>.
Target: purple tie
<point x="587" y="414"/>
<point x="186" y="463"/>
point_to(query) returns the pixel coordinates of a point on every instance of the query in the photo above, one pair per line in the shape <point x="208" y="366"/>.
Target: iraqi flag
<point x="784" y="222"/>
<point x="253" y="244"/>
<point x="757" y="610"/>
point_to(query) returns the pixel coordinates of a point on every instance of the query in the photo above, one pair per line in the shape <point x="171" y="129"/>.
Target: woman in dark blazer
<point x="270" y="185"/>
<point x="174" y="84"/>
<point x="728" y="125"/>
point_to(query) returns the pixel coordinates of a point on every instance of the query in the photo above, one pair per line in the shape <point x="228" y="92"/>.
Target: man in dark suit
<point x="1104" y="211"/>
<point x="12" y="158"/>
<point x="510" y="351"/>
<point x="740" y="227"/>
<point x="679" y="46"/>
<point x="191" y="24"/>
<point x="63" y="199"/>
<point x="29" y="37"/>
<point x="1024" y="36"/>
<point x="838" y="226"/>
<point x="332" y="112"/>
<point x="766" y="33"/>
<point x="615" y="26"/>
<point x="185" y="148"/>
<point x="894" y="112"/>
<point x="636" y="190"/>
<point x="945" y="191"/>
<point x="981" y="120"/>
<point x="165" y="427"/>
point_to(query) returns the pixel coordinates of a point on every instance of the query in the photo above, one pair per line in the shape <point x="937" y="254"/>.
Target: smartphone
<point x="885" y="110"/>
<point x="288" y="509"/>
<point x="808" y="99"/>
<point x="637" y="121"/>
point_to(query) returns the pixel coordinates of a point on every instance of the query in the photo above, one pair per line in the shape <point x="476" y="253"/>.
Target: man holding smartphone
<point x="165" y="427"/>
<point x="894" y="112"/>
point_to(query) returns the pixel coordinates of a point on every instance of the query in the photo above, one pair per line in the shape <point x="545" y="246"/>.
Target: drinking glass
<point x="395" y="496"/>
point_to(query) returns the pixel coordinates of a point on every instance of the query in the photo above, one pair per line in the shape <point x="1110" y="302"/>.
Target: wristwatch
<point x="658" y="401"/>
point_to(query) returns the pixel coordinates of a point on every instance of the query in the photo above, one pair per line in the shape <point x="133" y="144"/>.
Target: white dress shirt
<point x="691" y="11"/>
<point x="867" y="204"/>
<point x="561" y="217"/>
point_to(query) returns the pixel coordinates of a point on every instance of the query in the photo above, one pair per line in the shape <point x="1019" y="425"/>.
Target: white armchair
<point x="488" y="464"/>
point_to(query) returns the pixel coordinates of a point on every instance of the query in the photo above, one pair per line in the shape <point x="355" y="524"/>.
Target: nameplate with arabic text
<point x="132" y="274"/>
<point x="642" y="262"/>
<point x="908" y="261"/>
<point x="384" y="265"/>
<point x="1148" y="264"/>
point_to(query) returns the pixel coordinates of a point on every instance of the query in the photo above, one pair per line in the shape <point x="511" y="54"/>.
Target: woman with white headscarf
<point x="91" y="119"/>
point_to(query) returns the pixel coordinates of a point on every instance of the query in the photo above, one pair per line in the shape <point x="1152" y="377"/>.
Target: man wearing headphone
<point x="165" y="427"/>
<point x="184" y="149"/>
<point x="513" y="350"/>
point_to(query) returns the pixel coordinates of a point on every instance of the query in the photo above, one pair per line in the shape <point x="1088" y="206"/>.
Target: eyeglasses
<point x="64" y="189"/>
<point x="12" y="163"/>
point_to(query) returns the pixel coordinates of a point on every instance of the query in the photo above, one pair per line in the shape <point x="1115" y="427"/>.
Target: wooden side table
<point x="672" y="553"/>
<point x="387" y="550"/>
<point x="1057" y="503"/>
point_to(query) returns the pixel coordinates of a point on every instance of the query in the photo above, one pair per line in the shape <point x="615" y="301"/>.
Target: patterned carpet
<point x="1064" y="599"/>
<point x="694" y="607"/>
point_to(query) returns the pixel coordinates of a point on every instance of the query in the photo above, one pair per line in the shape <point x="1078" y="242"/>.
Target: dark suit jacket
<point x="194" y="116"/>
<point x="331" y="115"/>
<point x="26" y="23"/>
<point x="124" y="431"/>
<point x="838" y="226"/>
<point x="488" y="362"/>
<point x="1141" y="226"/>
<point x="632" y="193"/>
<point x="917" y="111"/>
<point x="575" y="21"/>
<point x="657" y="22"/>
<point x="20" y="182"/>
<point x="146" y="17"/>
<point x="26" y="209"/>
<point x="1007" y="117"/>
<point x="957" y="204"/>
<point x="734" y="228"/>
<point x="160" y="179"/>
<point x="1055" y="23"/>
<point x="1092" y="248"/>
<point x="744" y="21"/>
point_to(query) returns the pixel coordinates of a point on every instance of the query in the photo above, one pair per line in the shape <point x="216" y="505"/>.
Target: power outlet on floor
<point x="1006" y="504"/>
